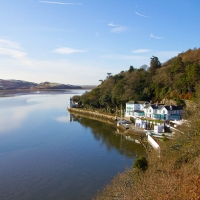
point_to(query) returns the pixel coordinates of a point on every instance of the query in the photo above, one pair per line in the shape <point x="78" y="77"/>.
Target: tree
<point x="144" y="67"/>
<point x="154" y="64"/>
<point x="177" y="65"/>
<point x="131" y="69"/>
<point x="105" y="100"/>
<point x="164" y="92"/>
<point x="101" y="81"/>
<point x="193" y="75"/>
<point x="109" y="75"/>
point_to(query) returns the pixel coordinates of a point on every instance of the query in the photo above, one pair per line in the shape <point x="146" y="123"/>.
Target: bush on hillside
<point x="141" y="163"/>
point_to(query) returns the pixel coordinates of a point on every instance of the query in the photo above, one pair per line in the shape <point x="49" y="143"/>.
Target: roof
<point x="147" y="106"/>
<point x="174" y="107"/>
<point x="154" y="106"/>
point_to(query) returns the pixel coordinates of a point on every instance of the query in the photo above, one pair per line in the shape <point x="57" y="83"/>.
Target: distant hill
<point x="16" y="84"/>
<point x="19" y="84"/>
<point x="48" y="85"/>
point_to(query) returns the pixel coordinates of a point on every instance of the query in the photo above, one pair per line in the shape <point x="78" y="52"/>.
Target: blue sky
<point x="79" y="41"/>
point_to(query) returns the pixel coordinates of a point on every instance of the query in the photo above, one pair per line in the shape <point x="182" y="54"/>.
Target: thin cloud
<point x="140" y="14"/>
<point x="66" y="50"/>
<point x="12" y="53"/>
<point x="119" y="29"/>
<point x="60" y="3"/>
<point x="7" y="43"/>
<point x="11" y="49"/>
<point x="112" y="24"/>
<point x="156" y="37"/>
<point x="141" y="51"/>
<point x="125" y="57"/>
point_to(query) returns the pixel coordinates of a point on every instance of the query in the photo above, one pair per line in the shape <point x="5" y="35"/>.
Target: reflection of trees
<point x="106" y="134"/>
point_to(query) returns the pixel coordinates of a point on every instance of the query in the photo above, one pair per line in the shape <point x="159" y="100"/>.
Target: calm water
<point x="44" y="155"/>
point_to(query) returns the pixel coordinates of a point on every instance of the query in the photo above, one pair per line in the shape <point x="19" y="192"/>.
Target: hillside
<point x="173" y="172"/>
<point x="19" y="84"/>
<point x="175" y="79"/>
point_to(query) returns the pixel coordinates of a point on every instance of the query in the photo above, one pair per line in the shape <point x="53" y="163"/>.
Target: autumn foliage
<point x="175" y="79"/>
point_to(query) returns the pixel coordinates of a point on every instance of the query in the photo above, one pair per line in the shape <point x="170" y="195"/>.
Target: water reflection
<point x="15" y="108"/>
<point x="45" y="153"/>
<point x="17" y="92"/>
<point x="14" y="112"/>
<point x="109" y="137"/>
<point x="63" y="119"/>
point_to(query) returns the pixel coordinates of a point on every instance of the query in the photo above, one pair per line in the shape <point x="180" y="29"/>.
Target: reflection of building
<point x="70" y="117"/>
<point x="154" y="111"/>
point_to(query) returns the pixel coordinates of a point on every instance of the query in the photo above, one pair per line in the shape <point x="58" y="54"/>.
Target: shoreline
<point x="107" y="119"/>
<point x="93" y="115"/>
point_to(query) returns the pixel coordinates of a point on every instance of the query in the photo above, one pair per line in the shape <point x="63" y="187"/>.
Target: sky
<point x="79" y="41"/>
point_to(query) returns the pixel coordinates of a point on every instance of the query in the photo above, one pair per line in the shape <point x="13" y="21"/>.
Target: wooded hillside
<point x="175" y="79"/>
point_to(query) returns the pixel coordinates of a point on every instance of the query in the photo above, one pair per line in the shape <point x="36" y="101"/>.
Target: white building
<point x="135" y="108"/>
<point x="155" y="111"/>
<point x="169" y="113"/>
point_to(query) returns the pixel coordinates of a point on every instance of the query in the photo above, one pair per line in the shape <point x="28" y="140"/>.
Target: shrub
<point x="141" y="163"/>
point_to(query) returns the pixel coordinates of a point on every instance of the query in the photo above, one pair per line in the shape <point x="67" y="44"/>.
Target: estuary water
<point x="48" y="154"/>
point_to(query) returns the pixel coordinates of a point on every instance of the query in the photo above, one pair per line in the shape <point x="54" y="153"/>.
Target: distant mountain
<point x="48" y="85"/>
<point x="18" y="84"/>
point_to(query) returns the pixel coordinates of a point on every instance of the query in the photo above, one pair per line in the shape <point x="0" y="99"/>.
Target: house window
<point x="163" y="111"/>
